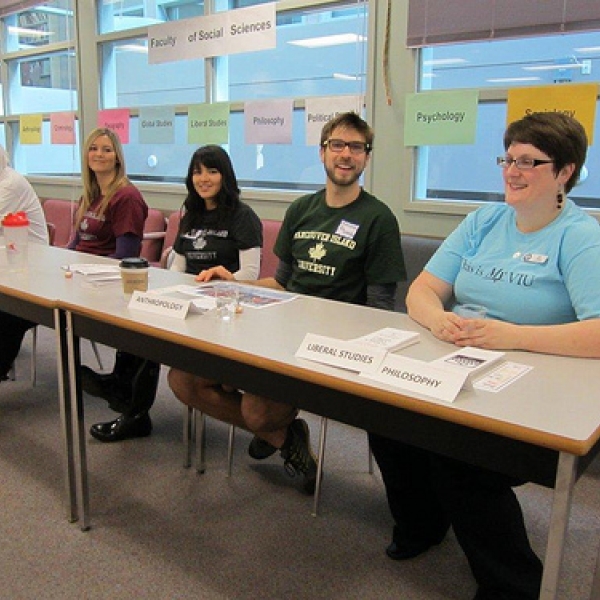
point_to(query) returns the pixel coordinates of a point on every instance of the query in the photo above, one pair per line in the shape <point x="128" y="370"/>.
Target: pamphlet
<point x="389" y="338"/>
<point x="250" y="296"/>
<point x="96" y="274"/>
<point x="473" y="361"/>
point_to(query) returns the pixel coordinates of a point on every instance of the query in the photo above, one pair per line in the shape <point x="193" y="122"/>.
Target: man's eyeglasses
<point x="504" y="162"/>
<point x="338" y="146"/>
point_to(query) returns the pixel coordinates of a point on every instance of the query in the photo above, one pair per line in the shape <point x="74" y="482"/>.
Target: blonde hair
<point x="91" y="189"/>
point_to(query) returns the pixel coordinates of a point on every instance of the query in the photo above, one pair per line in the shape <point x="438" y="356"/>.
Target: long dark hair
<point x="228" y="198"/>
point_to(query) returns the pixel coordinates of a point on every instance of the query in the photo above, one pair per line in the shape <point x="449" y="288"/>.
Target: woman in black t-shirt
<point x="216" y="228"/>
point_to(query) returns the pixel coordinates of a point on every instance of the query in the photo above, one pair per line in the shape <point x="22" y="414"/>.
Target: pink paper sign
<point x="62" y="128"/>
<point x="116" y="119"/>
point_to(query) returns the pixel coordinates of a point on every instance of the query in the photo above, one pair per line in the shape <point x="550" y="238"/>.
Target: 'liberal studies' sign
<point x="231" y="32"/>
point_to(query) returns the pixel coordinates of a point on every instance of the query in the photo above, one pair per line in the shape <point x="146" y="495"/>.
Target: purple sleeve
<point x="128" y="245"/>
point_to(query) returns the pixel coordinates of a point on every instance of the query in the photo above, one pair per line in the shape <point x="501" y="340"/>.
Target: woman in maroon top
<point x="110" y="222"/>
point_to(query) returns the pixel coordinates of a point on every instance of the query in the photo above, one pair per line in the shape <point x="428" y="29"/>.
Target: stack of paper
<point x="389" y="339"/>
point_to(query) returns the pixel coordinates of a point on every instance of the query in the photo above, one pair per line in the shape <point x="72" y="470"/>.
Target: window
<point x="454" y="173"/>
<point x="41" y="78"/>
<point x="320" y="52"/>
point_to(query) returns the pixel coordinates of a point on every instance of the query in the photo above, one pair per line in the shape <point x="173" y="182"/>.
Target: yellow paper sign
<point x="577" y="100"/>
<point x="30" y="129"/>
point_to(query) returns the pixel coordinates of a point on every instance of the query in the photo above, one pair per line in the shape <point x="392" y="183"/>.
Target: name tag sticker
<point x="339" y="353"/>
<point x="347" y="230"/>
<point x="538" y="259"/>
<point x="418" y="376"/>
<point x="159" y="305"/>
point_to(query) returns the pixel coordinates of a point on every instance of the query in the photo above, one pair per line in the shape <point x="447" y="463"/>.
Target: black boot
<point x="135" y="422"/>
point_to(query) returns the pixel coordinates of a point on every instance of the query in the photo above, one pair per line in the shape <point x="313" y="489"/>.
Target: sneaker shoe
<point x="260" y="449"/>
<point x="298" y="456"/>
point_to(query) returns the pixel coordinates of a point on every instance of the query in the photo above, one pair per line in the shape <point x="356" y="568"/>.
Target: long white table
<point x="544" y="428"/>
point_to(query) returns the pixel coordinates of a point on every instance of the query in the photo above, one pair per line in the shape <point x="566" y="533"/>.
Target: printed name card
<point x="159" y="305"/>
<point x="418" y="376"/>
<point x="339" y="353"/>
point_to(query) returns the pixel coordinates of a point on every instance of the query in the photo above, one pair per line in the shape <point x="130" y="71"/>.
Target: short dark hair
<point x="348" y="120"/>
<point x="557" y="135"/>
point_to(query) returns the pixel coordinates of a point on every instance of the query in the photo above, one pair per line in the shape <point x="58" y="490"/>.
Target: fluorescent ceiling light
<point x="62" y="12"/>
<point x="554" y="67"/>
<point x="588" y="50"/>
<point x="513" y="79"/>
<point x="133" y="48"/>
<point x="329" y="40"/>
<point x="437" y="62"/>
<point x="28" y="32"/>
<point x="346" y="77"/>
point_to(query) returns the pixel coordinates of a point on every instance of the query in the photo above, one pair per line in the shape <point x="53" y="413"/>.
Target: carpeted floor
<point x="160" y="531"/>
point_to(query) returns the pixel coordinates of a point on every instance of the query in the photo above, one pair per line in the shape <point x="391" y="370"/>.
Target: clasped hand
<point x="481" y="333"/>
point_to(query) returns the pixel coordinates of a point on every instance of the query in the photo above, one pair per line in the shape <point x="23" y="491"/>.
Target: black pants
<point x="12" y="331"/>
<point x="426" y="492"/>
<point x="135" y="384"/>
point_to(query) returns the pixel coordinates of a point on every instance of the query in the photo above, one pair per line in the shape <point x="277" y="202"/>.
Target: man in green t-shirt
<point x="340" y="243"/>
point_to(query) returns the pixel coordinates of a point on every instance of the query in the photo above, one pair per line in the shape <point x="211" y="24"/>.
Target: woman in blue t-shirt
<point x="534" y="263"/>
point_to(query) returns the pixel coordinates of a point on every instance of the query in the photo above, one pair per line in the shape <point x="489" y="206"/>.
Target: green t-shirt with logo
<point x="337" y="252"/>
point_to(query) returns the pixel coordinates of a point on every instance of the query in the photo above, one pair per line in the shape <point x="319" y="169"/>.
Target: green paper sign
<point x="208" y="124"/>
<point x="440" y="118"/>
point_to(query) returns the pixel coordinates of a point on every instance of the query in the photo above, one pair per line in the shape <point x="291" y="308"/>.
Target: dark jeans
<point x="12" y="331"/>
<point x="426" y="492"/>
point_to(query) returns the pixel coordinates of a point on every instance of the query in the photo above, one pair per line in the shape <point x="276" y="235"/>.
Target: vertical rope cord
<point x="386" y="54"/>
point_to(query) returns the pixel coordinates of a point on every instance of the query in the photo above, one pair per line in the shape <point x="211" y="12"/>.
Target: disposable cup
<point x="471" y="311"/>
<point x="134" y="276"/>
<point x="227" y="300"/>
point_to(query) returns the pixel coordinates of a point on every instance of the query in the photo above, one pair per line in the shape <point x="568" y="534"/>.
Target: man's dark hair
<point x="348" y="120"/>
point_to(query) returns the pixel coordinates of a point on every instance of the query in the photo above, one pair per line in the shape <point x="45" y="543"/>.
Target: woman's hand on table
<point x="215" y="273"/>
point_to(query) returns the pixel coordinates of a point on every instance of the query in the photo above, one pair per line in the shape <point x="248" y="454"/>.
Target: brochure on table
<point x="96" y="274"/>
<point x="250" y="296"/>
<point x="470" y="361"/>
<point x="180" y="300"/>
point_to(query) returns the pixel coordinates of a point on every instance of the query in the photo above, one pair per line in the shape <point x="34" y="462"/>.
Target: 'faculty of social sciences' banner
<point x="230" y="32"/>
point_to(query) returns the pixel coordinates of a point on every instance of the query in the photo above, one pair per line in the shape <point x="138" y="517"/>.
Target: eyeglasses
<point x="338" y="146"/>
<point x="504" y="162"/>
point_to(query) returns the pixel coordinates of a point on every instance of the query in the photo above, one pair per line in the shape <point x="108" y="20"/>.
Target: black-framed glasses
<point x="504" y="162"/>
<point x="338" y="146"/>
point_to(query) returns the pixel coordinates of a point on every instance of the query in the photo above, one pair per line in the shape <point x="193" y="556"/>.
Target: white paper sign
<point x="339" y="353"/>
<point x="320" y="110"/>
<point x="268" y="121"/>
<point x="229" y="32"/>
<point x="159" y="305"/>
<point x="418" y="376"/>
